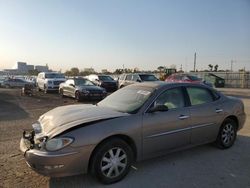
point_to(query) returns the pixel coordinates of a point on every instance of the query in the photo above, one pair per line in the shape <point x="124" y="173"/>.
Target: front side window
<point x="199" y="95"/>
<point x="172" y="98"/>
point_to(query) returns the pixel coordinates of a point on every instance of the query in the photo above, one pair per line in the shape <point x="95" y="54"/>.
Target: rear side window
<point x="199" y="95"/>
<point x="135" y="77"/>
<point x="122" y="77"/>
<point x="129" y="77"/>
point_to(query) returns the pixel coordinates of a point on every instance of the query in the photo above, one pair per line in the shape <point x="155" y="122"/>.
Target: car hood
<point x="63" y="118"/>
<point x="109" y="81"/>
<point x="55" y="79"/>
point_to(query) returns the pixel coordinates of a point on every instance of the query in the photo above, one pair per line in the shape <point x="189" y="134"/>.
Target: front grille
<point x="95" y="92"/>
<point x="58" y="82"/>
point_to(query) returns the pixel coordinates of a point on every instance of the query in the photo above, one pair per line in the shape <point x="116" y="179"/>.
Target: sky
<point x="110" y="34"/>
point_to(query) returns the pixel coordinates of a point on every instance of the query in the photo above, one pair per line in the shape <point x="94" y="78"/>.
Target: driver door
<point x="166" y="130"/>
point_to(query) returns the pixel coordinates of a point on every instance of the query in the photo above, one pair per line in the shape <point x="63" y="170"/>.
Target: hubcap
<point x="228" y="134"/>
<point x="113" y="162"/>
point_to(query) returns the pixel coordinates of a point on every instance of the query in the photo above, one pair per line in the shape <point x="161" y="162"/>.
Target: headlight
<point x="57" y="143"/>
<point x="37" y="127"/>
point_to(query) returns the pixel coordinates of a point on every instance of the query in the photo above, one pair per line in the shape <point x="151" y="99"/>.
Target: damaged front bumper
<point x="65" y="162"/>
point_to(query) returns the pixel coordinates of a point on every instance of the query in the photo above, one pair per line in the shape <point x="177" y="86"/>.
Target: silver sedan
<point x="137" y="122"/>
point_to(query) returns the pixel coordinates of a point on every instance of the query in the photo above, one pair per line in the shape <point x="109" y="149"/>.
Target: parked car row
<point x="93" y="87"/>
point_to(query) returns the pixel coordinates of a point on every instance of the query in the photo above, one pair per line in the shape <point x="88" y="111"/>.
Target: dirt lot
<point x="203" y="166"/>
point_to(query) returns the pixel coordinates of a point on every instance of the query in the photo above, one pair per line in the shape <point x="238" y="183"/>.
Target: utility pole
<point x="194" y="61"/>
<point x="232" y="65"/>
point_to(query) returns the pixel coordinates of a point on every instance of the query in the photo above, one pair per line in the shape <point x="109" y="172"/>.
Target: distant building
<point x="22" y="67"/>
<point x="30" y="67"/>
<point x="41" y="68"/>
<point x="11" y="71"/>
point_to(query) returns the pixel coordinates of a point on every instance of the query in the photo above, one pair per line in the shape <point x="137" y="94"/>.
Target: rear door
<point x="167" y="130"/>
<point x="206" y="114"/>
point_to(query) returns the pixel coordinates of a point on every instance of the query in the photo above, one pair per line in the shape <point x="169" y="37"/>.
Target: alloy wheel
<point x="113" y="162"/>
<point x="228" y="134"/>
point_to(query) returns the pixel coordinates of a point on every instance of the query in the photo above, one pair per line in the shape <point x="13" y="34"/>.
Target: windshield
<point x="105" y="78"/>
<point x="83" y="82"/>
<point x="148" y="77"/>
<point x="54" y="75"/>
<point x="128" y="99"/>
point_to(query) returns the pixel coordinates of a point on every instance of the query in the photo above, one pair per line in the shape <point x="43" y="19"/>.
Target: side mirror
<point x="72" y="85"/>
<point x="138" y="80"/>
<point x="159" y="108"/>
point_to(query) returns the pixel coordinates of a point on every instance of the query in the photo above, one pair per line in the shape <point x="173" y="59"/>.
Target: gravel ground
<point x="203" y="166"/>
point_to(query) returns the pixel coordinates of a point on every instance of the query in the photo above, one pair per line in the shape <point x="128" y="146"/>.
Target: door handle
<point x="182" y="117"/>
<point x="218" y="110"/>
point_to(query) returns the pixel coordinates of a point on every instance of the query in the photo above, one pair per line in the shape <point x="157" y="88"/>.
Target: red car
<point x="186" y="78"/>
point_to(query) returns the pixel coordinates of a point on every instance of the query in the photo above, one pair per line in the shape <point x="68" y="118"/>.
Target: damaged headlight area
<point x="35" y="139"/>
<point x="55" y="144"/>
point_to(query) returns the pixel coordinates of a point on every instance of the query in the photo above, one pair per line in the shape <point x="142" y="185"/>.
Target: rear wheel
<point x="112" y="160"/>
<point x="227" y="134"/>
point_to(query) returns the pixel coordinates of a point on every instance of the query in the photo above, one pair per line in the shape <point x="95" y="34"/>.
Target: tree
<point x="216" y="68"/>
<point x="118" y="71"/>
<point x="33" y="72"/>
<point x="74" y="71"/>
<point x="210" y="67"/>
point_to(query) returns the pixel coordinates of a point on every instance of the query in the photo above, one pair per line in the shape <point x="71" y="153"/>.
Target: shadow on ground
<point x="9" y="110"/>
<point x="203" y="166"/>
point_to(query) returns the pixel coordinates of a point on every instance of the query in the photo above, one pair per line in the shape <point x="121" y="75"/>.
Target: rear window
<point x="105" y="78"/>
<point x="148" y="77"/>
<point x="54" y="75"/>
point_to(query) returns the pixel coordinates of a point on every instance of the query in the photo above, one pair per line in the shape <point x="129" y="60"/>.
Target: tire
<point x="61" y="93"/>
<point x="77" y="96"/>
<point x="227" y="134"/>
<point x="7" y="86"/>
<point x="45" y="89"/>
<point x="111" y="161"/>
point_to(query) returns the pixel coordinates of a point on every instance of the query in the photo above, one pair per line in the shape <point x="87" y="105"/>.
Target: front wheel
<point x="61" y="93"/>
<point x="112" y="161"/>
<point x="7" y="86"/>
<point x="77" y="96"/>
<point x="227" y="134"/>
<point x="45" y="89"/>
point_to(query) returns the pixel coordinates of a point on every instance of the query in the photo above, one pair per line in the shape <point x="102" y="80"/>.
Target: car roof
<point x="160" y="84"/>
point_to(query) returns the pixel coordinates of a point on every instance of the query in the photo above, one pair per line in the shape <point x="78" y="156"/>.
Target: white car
<point x="49" y="81"/>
